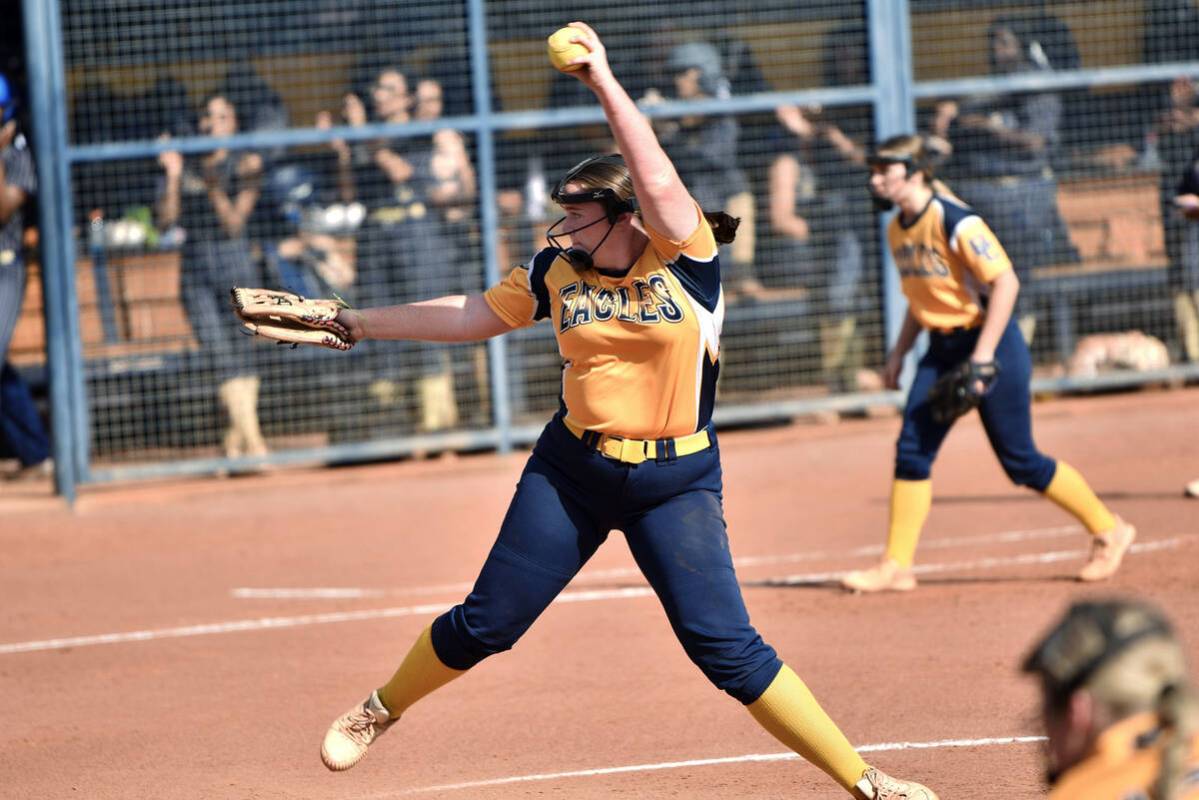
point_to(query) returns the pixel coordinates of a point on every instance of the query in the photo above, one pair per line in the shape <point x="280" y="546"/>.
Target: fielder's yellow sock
<point x="421" y="673"/>
<point x="791" y="714"/>
<point x="1070" y="491"/>
<point x="910" y="502"/>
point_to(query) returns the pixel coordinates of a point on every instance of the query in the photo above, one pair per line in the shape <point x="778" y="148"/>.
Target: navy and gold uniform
<point x="640" y="350"/>
<point x="631" y="449"/>
<point x="948" y="257"/>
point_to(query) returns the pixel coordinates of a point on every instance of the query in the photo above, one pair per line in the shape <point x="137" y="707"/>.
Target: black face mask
<point x="580" y="258"/>
<point x="881" y="203"/>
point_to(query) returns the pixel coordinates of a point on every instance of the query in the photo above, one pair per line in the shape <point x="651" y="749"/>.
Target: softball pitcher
<point x="636" y="305"/>
<point x="961" y="287"/>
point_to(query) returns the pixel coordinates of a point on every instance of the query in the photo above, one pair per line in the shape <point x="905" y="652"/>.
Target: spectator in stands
<point x="452" y="193"/>
<point x="22" y="433"/>
<point x="1176" y="136"/>
<point x="704" y="151"/>
<point x="1002" y="152"/>
<point x="820" y="220"/>
<point x="1119" y="709"/>
<point x="1171" y="31"/>
<point x="212" y="197"/>
<point x="303" y="252"/>
<point x="816" y="226"/>
<point x="404" y="250"/>
<point x="452" y="186"/>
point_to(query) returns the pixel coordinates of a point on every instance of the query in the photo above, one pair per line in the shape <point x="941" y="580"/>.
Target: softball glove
<point x="961" y="390"/>
<point x="291" y="319"/>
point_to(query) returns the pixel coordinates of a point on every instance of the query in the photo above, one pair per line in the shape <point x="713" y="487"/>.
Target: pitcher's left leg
<point x="682" y="548"/>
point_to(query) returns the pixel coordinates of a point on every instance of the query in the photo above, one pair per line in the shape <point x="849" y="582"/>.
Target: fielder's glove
<point x="290" y="319"/>
<point x="962" y="389"/>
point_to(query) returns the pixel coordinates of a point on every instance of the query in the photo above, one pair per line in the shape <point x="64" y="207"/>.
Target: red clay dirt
<point x="238" y="709"/>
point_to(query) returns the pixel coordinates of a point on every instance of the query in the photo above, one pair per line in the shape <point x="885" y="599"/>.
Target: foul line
<point x="267" y="623"/>
<point x="594" y="576"/>
<point x="706" y="762"/>
<point x="1050" y="557"/>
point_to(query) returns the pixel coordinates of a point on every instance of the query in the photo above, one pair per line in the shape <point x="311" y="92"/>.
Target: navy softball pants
<point x="568" y="499"/>
<point x="1006" y="411"/>
<point x="22" y="433"/>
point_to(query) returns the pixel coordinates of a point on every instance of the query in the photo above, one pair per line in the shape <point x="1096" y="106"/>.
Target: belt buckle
<point x="629" y="451"/>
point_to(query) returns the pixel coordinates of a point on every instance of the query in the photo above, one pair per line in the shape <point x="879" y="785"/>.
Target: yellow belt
<point x="634" y="451"/>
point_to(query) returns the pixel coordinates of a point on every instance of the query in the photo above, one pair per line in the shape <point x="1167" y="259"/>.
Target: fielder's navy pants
<point x="1006" y="411"/>
<point x="568" y="499"/>
<point x="21" y="431"/>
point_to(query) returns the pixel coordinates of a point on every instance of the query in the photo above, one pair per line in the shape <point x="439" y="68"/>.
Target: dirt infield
<point x="175" y="641"/>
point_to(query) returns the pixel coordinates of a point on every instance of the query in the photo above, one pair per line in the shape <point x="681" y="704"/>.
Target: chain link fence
<point x="390" y="152"/>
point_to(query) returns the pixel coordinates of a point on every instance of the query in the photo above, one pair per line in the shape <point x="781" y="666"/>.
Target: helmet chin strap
<point x="579" y="257"/>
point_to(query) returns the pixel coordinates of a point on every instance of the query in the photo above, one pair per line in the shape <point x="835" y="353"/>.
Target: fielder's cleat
<point x="1107" y="551"/>
<point x="1191" y="489"/>
<point x="886" y="577"/>
<point x="876" y="785"/>
<point x="352" y="733"/>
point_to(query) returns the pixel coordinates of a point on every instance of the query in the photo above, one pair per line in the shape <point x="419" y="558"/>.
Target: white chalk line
<point x="707" y="762"/>
<point x="1024" y="559"/>
<point x="595" y="576"/>
<point x="267" y="623"/>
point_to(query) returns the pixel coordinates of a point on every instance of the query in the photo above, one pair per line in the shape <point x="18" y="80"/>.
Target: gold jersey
<point x="1124" y="765"/>
<point x="946" y="259"/>
<point x="640" y="351"/>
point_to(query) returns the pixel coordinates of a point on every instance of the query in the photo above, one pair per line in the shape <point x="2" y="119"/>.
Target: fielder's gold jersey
<point x="946" y="259"/>
<point x="1125" y="765"/>
<point x="641" y="351"/>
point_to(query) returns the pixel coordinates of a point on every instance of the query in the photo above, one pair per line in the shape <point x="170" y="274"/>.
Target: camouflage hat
<point x="1088" y="636"/>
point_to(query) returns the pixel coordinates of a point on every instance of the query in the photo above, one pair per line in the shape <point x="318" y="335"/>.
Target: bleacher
<point x="1115" y="223"/>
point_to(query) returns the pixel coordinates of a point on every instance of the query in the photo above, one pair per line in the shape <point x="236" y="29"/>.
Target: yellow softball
<point x="562" y="50"/>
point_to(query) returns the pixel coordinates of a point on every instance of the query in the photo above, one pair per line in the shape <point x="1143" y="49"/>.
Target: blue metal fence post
<point x="80" y="420"/>
<point x="485" y="141"/>
<point x="57" y="285"/>
<point x="890" y="37"/>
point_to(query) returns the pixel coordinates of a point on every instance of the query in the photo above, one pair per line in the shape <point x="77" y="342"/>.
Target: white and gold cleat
<point x="1107" y="551"/>
<point x="351" y="734"/>
<point x="885" y="577"/>
<point x="877" y="785"/>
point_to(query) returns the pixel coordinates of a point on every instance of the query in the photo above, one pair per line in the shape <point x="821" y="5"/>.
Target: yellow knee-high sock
<point x="1070" y="491"/>
<point x="791" y="714"/>
<point x="421" y="673"/>
<point x="910" y="502"/>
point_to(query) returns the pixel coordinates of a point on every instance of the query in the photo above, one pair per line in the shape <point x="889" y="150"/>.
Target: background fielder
<point x="961" y="287"/>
